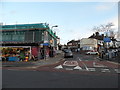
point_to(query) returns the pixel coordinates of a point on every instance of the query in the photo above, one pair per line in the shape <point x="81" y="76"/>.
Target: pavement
<point x="42" y="62"/>
<point x="114" y="60"/>
<point x="50" y="61"/>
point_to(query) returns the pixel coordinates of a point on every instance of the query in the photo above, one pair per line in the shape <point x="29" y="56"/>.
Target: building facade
<point x="35" y="36"/>
<point x="74" y="45"/>
<point x="88" y="44"/>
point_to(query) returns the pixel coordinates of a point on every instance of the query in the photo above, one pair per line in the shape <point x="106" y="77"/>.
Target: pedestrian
<point x="42" y="53"/>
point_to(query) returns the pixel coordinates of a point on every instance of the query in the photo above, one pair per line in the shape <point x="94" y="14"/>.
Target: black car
<point x="68" y="53"/>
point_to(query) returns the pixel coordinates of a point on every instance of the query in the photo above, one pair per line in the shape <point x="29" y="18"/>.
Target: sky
<point x="75" y="20"/>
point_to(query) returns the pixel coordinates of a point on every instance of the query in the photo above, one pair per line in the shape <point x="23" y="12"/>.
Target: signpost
<point x="107" y="40"/>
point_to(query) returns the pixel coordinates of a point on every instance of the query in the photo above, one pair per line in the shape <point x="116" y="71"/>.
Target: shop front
<point x="16" y="53"/>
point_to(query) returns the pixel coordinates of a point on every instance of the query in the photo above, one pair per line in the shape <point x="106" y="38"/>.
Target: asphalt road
<point x="83" y="57"/>
<point x="42" y="79"/>
<point x="14" y="78"/>
<point x="91" y="63"/>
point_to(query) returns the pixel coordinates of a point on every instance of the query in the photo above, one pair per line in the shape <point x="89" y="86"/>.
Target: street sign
<point x="107" y="39"/>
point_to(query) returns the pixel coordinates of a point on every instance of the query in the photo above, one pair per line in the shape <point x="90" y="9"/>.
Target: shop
<point x="16" y="53"/>
<point x="24" y="42"/>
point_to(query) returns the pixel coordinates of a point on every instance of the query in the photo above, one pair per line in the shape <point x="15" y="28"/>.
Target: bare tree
<point x="105" y="28"/>
<point x="96" y="29"/>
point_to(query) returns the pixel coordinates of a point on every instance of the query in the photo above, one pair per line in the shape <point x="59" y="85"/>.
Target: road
<point x="90" y="63"/>
<point x="43" y="79"/>
<point x="85" y="71"/>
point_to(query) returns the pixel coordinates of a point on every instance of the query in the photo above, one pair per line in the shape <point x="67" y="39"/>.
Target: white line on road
<point x="99" y="65"/>
<point x="91" y="69"/>
<point x="84" y="64"/>
<point x="78" y="67"/>
<point x="59" y="67"/>
<point x="70" y="63"/>
<point x="105" y="70"/>
<point x="117" y="70"/>
<point x="79" y="59"/>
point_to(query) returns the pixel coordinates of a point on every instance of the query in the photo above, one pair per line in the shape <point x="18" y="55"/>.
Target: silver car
<point x="68" y="53"/>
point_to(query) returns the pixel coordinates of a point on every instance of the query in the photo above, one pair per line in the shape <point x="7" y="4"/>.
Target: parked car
<point x="92" y="53"/>
<point x="68" y="53"/>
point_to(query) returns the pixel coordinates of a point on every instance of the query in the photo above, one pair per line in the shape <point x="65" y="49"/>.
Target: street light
<point x="54" y="26"/>
<point x="53" y="44"/>
<point x="46" y="40"/>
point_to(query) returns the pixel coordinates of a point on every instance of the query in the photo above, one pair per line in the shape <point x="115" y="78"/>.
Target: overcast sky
<point x="75" y="20"/>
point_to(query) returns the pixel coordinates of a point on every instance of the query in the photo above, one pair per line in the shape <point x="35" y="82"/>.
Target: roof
<point x="28" y="27"/>
<point x="24" y="26"/>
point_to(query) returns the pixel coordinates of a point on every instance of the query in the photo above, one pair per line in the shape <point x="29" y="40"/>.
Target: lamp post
<point x="54" y="26"/>
<point x="53" y="44"/>
<point x="46" y="41"/>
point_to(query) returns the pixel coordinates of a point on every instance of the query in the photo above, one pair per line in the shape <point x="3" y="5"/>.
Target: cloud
<point x="13" y="12"/>
<point x="102" y="7"/>
<point x="114" y="20"/>
<point x="105" y="6"/>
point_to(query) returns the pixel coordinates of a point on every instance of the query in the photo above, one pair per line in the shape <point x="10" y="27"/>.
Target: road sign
<point x="107" y="39"/>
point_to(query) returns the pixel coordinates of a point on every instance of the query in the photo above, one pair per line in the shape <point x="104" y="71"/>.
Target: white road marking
<point x="79" y="59"/>
<point x="84" y="64"/>
<point x="91" y="69"/>
<point x="70" y="63"/>
<point x="117" y="70"/>
<point x="78" y="67"/>
<point x="105" y="70"/>
<point x="59" y="67"/>
<point x="99" y="65"/>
